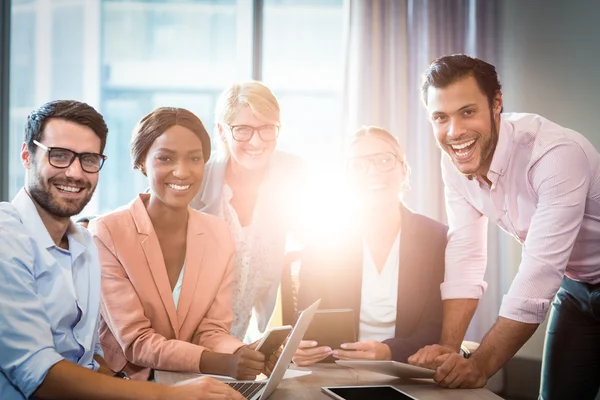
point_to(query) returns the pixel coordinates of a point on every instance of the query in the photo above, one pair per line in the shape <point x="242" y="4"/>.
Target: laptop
<point x="253" y="390"/>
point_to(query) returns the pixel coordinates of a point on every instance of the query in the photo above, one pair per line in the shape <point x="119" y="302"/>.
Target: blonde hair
<point x="380" y="133"/>
<point x="253" y="94"/>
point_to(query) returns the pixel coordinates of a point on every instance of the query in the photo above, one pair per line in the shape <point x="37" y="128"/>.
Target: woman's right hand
<point x="244" y="364"/>
<point x="202" y="388"/>
<point x="308" y="354"/>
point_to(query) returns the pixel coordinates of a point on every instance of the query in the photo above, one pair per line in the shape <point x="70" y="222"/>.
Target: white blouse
<point x="177" y="288"/>
<point x="260" y="246"/>
<point x="379" y="295"/>
<point x="255" y="265"/>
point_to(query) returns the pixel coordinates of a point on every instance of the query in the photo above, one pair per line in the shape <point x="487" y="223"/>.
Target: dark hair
<point x="157" y="122"/>
<point x="68" y="110"/>
<point x="448" y="69"/>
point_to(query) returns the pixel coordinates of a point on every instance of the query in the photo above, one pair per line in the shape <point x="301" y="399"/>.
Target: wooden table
<point x="308" y="387"/>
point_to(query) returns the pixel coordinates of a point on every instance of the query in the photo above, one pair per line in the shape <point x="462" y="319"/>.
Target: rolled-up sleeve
<point x="94" y="366"/>
<point x="560" y="178"/>
<point x="26" y="344"/>
<point x="466" y="252"/>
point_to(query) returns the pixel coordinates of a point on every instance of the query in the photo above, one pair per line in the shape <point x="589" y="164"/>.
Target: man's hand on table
<point x="455" y="371"/>
<point x="426" y="357"/>
<point x="452" y="369"/>
<point x="204" y="388"/>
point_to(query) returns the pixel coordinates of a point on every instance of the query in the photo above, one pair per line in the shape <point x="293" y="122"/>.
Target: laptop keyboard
<point x="248" y="389"/>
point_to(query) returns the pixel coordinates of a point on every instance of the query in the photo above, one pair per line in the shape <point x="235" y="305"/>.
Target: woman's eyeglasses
<point x="244" y="133"/>
<point x="382" y="162"/>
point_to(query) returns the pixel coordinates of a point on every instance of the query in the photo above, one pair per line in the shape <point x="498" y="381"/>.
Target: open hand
<point x="367" y="350"/>
<point x="308" y="353"/>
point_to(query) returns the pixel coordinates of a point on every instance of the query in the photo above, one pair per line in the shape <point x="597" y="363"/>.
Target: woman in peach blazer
<point x="167" y="270"/>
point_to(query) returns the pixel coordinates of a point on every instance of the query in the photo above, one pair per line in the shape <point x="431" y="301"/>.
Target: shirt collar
<point x="502" y="152"/>
<point x="35" y="226"/>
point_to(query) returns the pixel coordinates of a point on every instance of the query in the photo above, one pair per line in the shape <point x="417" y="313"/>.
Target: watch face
<point x="122" y="375"/>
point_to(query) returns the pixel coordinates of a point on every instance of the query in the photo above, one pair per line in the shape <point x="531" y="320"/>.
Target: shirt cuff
<point x="30" y="374"/>
<point x="463" y="289"/>
<point x="98" y="351"/>
<point x="526" y="310"/>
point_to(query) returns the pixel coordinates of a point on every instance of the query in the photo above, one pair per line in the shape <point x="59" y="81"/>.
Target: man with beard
<point x="50" y="272"/>
<point x="540" y="183"/>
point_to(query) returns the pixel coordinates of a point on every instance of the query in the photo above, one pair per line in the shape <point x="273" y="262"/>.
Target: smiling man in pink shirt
<point x="540" y="183"/>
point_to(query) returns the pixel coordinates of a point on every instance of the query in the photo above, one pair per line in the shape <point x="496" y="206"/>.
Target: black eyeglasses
<point x="382" y="162"/>
<point x="63" y="158"/>
<point x="244" y="133"/>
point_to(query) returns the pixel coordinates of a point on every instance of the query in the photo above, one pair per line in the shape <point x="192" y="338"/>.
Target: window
<point x="127" y="57"/>
<point x="302" y="63"/>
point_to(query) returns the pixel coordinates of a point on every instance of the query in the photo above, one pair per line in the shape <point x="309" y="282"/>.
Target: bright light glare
<point x="328" y="205"/>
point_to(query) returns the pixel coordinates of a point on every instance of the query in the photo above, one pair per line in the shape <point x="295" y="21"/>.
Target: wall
<point x="550" y="65"/>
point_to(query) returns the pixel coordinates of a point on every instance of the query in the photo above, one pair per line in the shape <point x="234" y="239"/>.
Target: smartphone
<point x="272" y="340"/>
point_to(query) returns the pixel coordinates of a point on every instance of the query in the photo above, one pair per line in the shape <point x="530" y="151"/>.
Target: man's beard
<point x="40" y="192"/>
<point x="488" y="148"/>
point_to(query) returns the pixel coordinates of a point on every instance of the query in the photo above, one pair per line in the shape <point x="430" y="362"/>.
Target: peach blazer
<point x="141" y="329"/>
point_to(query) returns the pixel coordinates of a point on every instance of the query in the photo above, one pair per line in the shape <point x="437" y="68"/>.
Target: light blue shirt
<point x="49" y="299"/>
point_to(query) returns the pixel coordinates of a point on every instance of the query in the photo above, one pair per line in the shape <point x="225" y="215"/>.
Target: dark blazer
<point x="333" y="273"/>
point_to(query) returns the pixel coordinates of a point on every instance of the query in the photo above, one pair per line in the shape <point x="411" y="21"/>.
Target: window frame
<point x="5" y="19"/>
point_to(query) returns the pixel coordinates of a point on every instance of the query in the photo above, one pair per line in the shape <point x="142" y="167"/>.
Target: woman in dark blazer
<point x="387" y="266"/>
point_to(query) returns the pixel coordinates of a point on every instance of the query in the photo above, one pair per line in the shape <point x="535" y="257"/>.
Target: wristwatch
<point x="122" y="375"/>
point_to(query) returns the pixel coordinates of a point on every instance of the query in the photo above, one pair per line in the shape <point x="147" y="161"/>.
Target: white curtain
<point x="388" y="44"/>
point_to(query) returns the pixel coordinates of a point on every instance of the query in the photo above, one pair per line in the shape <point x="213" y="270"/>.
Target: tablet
<point x="332" y="327"/>
<point x="366" y="393"/>
<point x="393" y="368"/>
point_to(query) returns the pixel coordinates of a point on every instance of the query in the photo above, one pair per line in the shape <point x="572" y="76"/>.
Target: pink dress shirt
<point x="545" y="192"/>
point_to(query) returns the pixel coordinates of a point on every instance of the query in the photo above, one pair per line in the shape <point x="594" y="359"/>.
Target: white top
<point x="253" y="262"/>
<point x="260" y="246"/>
<point x="177" y="288"/>
<point x="379" y="295"/>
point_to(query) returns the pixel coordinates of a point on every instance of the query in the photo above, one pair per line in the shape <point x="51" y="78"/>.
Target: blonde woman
<point x="388" y="267"/>
<point x="253" y="186"/>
